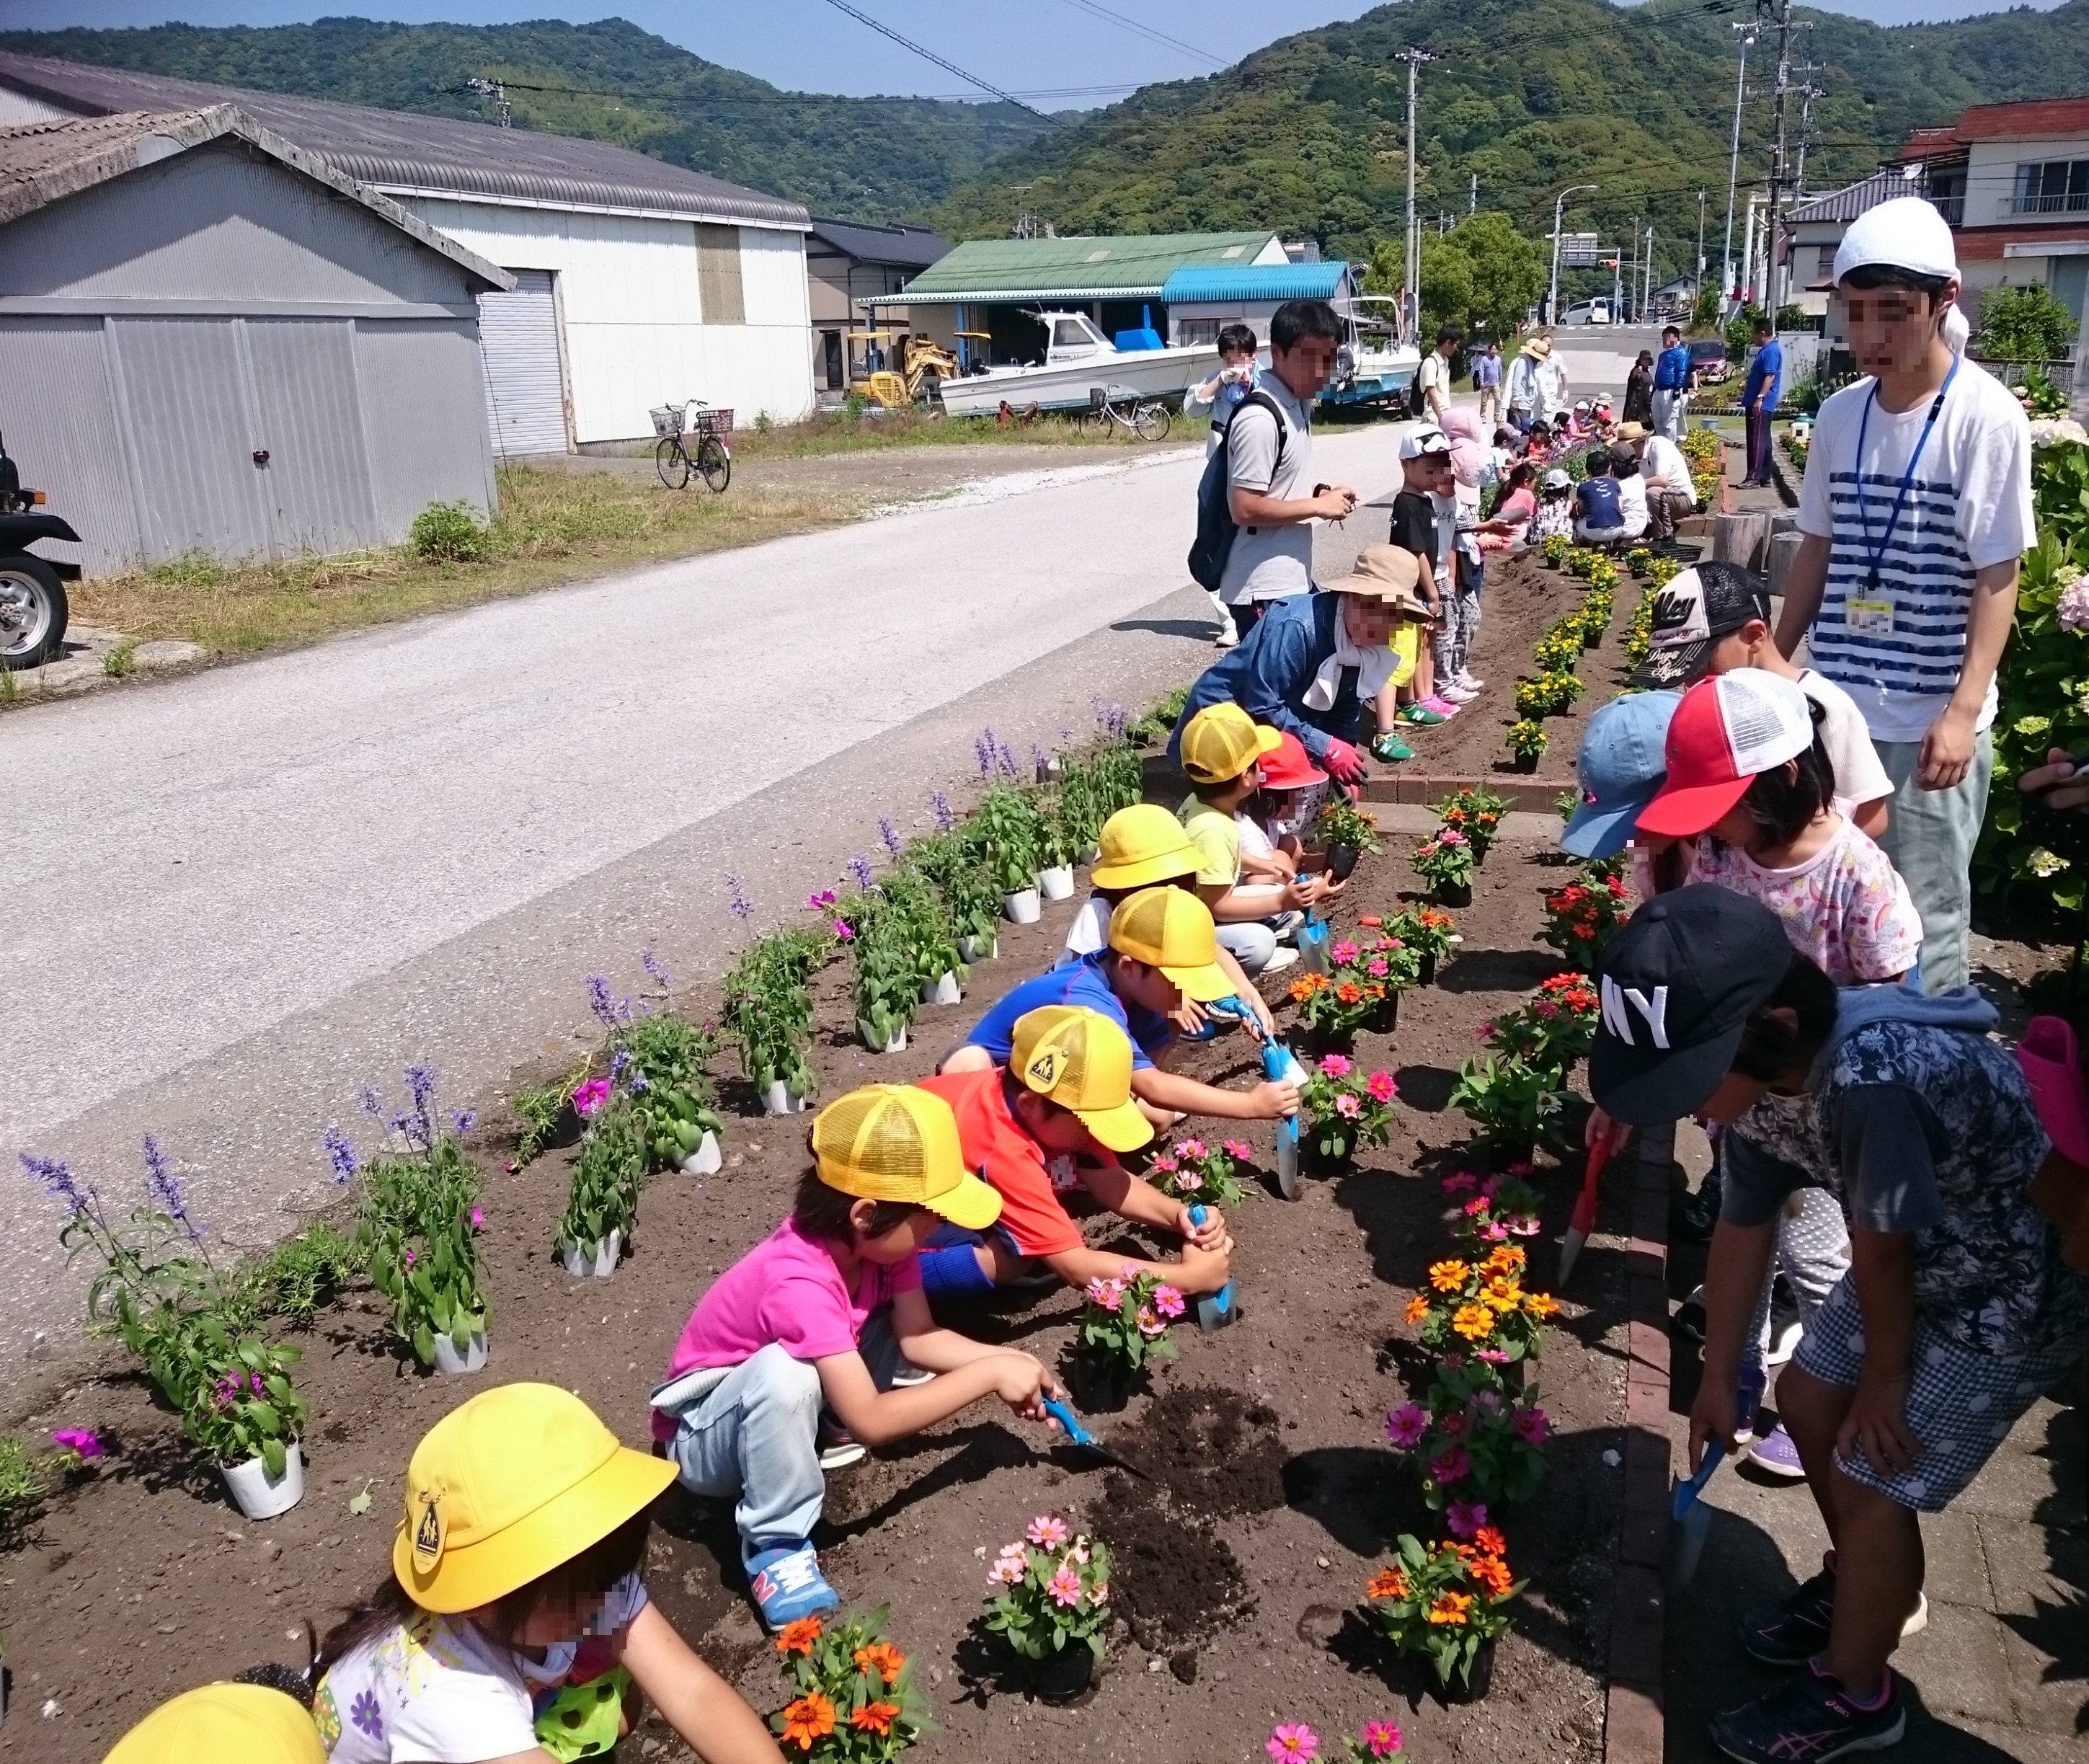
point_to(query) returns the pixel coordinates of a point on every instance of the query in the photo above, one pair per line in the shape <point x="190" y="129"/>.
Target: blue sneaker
<point x="787" y="1584"/>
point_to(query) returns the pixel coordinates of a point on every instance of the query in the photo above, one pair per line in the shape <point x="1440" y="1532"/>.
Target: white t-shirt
<point x="1860" y="778"/>
<point x="1090" y="930"/>
<point x="1270" y="563"/>
<point x="436" y="1691"/>
<point x="1896" y="647"/>
<point x="1661" y="457"/>
<point x="1631" y="504"/>
<point x="1254" y="841"/>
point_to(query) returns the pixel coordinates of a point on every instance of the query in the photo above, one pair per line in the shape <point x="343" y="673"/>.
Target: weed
<point x="11" y="688"/>
<point x="21" y="1478"/>
<point x="448" y="533"/>
<point x="119" y="661"/>
<point x="192" y="571"/>
<point x="306" y="1271"/>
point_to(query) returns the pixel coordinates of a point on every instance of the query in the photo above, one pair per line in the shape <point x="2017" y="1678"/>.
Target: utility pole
<point x="1748" y="253"/>
<point x="1473" y="201"/>
<point x="1747" y="35"/>
<point x="1632" y="274"/>
<point x="1558" y="206"/>
<point x="1770" y="219"/>
<point x="494" y="90"/>
<point x="1414" y="57"/>
<point x="1646" y="283"/>
<point x="1808" y="93"/>
<point x="1697" y="278"/>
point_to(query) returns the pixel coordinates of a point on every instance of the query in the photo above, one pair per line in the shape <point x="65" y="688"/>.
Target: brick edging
<point x="1634" y="1726"/>
<point x="1520" y="790"/>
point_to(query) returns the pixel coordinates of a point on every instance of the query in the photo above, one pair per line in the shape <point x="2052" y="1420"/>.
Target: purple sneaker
<point x="1774" y="1451"/>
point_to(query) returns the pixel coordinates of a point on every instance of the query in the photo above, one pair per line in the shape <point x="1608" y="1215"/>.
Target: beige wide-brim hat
<point x="1632" y="431"/>
<point x="1539" y="348"/>
<point x="1387" y="574"/>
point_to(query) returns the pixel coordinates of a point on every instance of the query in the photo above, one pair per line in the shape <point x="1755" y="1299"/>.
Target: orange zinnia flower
<point x="1491" y="1540"/>
<point x="1418" y="1308"/>
<point x="1476" y="1323"/>
<point x="881" y="1657"/>
<point x="798" y="1637"/>
<point x="1540" y="1304"/>
<point x="875" y="1718"/>
<point x="1447" y="1277"/>
<point x="1347" y="992"/>
<point x="1387" y="1583"/>
<point x="1450" y="1607"/>
<point x="1502" y="1295"/>
<point x="807" y="1719"/>
<point x="1491" y="1572"/>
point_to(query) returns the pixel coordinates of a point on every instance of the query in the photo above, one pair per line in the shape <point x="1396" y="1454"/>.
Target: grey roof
<point x="1853" y="199"/>
<point x="42" y="163"/>
<point x="397" y="150"/>
<point x="914" y="247"/>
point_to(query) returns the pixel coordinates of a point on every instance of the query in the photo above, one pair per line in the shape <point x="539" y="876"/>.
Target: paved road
<point x="236" y="897"/>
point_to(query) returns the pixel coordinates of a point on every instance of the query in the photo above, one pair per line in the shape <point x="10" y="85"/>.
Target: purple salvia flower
<point x="736" y="901"/>
<point x="617" y="1061"/>
<point x="341" y="1153"/>
<point x="984" y="745"/>
<point x="600" y="1002"/>
<point x="464" y="1120"/>
<point x="420" y="1085"/>
<point x="888" y="830"/>
<point x="1004" y="759"/>
<point x="945" y="816"/>
<point x="858" y="867"/>
<point x="651" y="963"/>
<point x="1039" y="757"/>
<point x="638" y="1083"/>
<point x="166" y="1186"/>
<point x="420" y="1128"/>
<point x="372" y="1103"/>
<point x="57" y="1178"/>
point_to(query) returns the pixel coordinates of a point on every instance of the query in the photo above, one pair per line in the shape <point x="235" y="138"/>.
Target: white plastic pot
<point x="1057" y="883"/>
<point x="593" y="1261"/>
<point x="978" y="949"/>
<point x="776" y="1099"/>
<point x="257" y="1495"/>
<point x="453" y="1364"/>
<point x="896" y="1044"/>
<point x="1021" y="907"/>
<point x="945" y="991"/>
<point x="706" y="1159"/>
<point x="1088" y="854"/>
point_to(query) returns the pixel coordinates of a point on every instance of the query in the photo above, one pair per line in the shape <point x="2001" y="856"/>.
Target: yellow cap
<point x="1143" y="845"/>
<point x="1081" y="1061"/>
<point x="506" y="1486"/>
<point x="223" y="1724"/>
<point x="1222" y="740"/>
<point x="891" y="1142"/>
<point x="1170" y="928"/>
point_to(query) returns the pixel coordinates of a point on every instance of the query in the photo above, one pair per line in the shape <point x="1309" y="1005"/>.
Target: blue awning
<point x="1222" y="284"/>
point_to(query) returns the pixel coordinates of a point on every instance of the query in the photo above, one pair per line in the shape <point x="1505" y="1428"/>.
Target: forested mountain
<point x="873" y="159"/>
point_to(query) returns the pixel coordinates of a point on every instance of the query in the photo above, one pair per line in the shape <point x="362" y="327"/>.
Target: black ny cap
<point x="1692" y="611"/>
<point x="1679" y="984"/>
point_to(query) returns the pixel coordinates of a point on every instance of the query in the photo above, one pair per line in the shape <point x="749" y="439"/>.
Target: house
<point x="1814" y="229"/>
<point x="636" y="282"/>
<point x="212" y="342"/>
<point x="994" y="288"/>
<point x="1200" y="299"/>
<point x="847" y="263"/>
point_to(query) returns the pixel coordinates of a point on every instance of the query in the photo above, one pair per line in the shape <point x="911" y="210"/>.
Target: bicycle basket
<point x="714" y="421"/>
<point x="667" y="420"/>
<point x="1098" y="397"/>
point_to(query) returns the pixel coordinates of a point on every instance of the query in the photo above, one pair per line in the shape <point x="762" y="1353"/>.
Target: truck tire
<point x="32" y="611"/>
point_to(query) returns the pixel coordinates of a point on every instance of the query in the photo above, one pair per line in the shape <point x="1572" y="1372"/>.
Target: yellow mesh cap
<point x="1081" y="1061"/>
<point x="508" y="1486"/>
<point x="1143" y="845"/>
<point x="223" y="1724"/>
<point x="1222" y="741"/>
<point x="891" y="1142"/>
<point x="1170" y="928"/>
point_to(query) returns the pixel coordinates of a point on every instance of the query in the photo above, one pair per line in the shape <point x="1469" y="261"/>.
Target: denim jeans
<point x="1929" y="836"/>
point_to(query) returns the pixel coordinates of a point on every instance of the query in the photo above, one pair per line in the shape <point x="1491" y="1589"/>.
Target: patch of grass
<point x="553" y="527"/>
<point x="837" y="432"/>
<point x="11" y="688"/>
<point x="306" y="1271"/>
<point x="122" y="660"/>
<point x="21" y="1480"/>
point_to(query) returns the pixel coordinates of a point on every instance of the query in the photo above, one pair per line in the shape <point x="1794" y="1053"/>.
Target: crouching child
<point x="827" y="1312"/>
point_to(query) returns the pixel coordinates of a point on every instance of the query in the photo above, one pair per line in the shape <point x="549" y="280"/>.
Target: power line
<point x="930" y="55"/>
<point x="761" y="99"/>
<point x="1150" y="35"/>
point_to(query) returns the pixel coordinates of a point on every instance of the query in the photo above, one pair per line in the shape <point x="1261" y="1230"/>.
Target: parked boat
<point x="1078" y="360"/>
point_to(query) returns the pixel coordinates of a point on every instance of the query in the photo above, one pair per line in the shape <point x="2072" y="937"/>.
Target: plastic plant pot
<point x="706" y="1160"/>
<point x="1427" y="977"/>
<point x="895" y="1043"/>
<point x="1386" y="1019"/>
<point x="1341" y="860"/>
<point x="1524" y="762"/>
<point x="1087" y="854"/>
<point x="257" y="1495"/>
<point x="453" y="1364"/>
<point x="776" y="1099"/>
<point x="945" y="991"/>
<point x="593" y="1261"/>
<point x="1476" y="1683"/>
<point x="1056" y="881"/>
<point x="1021" y="907"/>
<point x="978" y="949"/>
<point x="1064" y="1677"/>
<point x="1454" y="894"/>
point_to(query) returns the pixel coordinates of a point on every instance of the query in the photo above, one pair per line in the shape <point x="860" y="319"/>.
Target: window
<point x="1070" y="334"/>
<point x="1197" y="330"/>
<point x="720" y="297"/>
<point x="2052" y="186"/>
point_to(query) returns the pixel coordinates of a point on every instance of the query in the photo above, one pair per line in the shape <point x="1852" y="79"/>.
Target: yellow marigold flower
<point x="1447" y="1277"/>
<point x="1541" y="1304"/>
<point x="1476" y="1323"/>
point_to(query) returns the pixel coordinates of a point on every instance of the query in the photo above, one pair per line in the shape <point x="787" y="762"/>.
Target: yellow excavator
<point x="923" y="367"/>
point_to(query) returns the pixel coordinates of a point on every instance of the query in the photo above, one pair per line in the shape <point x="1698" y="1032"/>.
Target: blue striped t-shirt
<point x="1896" y="648"/>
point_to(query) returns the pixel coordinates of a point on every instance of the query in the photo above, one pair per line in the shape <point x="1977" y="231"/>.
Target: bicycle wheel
<point x="1149" y="422"/>
<point x="714" y="463"/>
<point x="671" y="463"/>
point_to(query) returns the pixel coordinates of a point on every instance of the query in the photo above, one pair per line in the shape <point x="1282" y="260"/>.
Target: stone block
<point x="1634" y="1731"/>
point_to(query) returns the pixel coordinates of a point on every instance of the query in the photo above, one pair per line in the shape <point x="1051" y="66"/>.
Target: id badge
<point x="1871" y="618"/>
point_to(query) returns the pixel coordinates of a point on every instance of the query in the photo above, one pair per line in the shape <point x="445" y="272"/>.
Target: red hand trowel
<point x="1584" y="1221"/>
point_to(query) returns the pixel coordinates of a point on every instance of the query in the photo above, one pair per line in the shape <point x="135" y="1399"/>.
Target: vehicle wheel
<point x="32" y="612"/>
<point x="1150" y="421"/>
<point x="672" y="463"/>
<point x="714" y="463"/>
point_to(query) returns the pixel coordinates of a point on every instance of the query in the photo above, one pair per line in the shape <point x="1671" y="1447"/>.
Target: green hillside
<point x="876" y="159"/>
<point x="1308" y="135"/>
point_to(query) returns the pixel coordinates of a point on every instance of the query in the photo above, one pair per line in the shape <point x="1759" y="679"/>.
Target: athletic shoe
<point x="1773" y="1452"/>
<point x="1441" y="706"/>
<point x="1226" y="637"/>
<point x="909" y="1375"/>
<point x="838" y="1446"/>
<point x="1283" y="958"/>
<point x="1812" y="1718"/>
<point x="1784" y="1338"/>
<point x="1391" y="748"/>
<point x="1422" y="717"/>
<point x="1455" y="693"/>
<point x="787" y="1584"/>
<point x="1795" y="1628"/>
<point x="1689" y="1318"/>
<point x="1700" y="1213"/>
<point x="1465" y="679"/>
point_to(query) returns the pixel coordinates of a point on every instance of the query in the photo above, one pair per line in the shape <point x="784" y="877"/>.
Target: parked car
<point x="1708" y="360"/>
<point x="33" y="596"/>
<point x="1587" y="312"/>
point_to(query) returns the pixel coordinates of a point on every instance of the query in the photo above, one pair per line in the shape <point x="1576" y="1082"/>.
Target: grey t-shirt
<point x="1270" y="563"/>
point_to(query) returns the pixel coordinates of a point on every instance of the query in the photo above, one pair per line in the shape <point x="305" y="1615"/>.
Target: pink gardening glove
<point x="1343" y="763"/>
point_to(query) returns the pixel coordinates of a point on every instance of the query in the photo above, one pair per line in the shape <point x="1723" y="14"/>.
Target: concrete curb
<point x="1634" y="1726"/>
<point x="1519" y="790"/>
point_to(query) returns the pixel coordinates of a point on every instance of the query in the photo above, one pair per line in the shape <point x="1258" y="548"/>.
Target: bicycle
<point x="712" y="458"/>
<point x="1119" y="407"/>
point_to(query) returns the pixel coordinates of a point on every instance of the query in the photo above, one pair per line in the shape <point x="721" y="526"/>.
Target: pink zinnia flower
<point x="1189" y="1148"/>
<point x="1487" y="1402"/>
<point x="84" y="1441"/>
<point x="1494" y="1231"/>
<point x="1048" y="1531"/>
<point x="1378" y="968"/>
<point x="1065" y="1586"/>
<point x="1167" y="1301"/>
<point x="1347" y="1106"/>
<point x="1189" y="1181"/>
<point x="1381" y="1738"/>
<point x="1522" y="1170"/>
<point x="1382" y="1087"/>
<point x="1460" y="1184"/>
<point x="1524" y="1225"/>
<point x="1451" y="836"/>
<point x="1099" y="1593"/>
<point x="1238" y="1148"/>
<point x="1344" y="952"/>
<point x="1405" y="1426"/>
<point x="1484" y="1032"/>
<point x="1454" y="1425"/>
<point x="1295" y="1743"/>
<point x="591" y="1096"/>
<point x="1465" y="1518"/>
<point x="1494" y="1356"/>
<point x="1490" y="1188"/>
<point x="1148" y="1323"/>
<point x="1531" y="1425"/>
<point x="477" y="1218"/>
<point x="1475" y="1207"/>
<point x="1451" y="1466"/>
<point x="1166" y="1165"/>
<point x="1337" y="1066"/>
<point x="1105" y="1292"/>
<point x="1006" y="1572"/>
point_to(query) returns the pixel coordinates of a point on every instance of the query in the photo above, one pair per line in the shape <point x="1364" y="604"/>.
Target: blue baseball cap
<point x="1622" y="764"/>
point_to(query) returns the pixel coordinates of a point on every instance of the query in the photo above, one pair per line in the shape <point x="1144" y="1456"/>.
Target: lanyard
<point x="1874" y="555"/>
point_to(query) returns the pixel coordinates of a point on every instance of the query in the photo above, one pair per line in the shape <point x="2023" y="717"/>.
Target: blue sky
<point x="1062" y="47"/>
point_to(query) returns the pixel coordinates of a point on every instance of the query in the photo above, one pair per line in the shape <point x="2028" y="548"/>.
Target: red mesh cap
<point x="1728" y="729"/>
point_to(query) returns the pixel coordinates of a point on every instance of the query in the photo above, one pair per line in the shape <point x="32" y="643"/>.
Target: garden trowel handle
<point x="1064" y="1415"/>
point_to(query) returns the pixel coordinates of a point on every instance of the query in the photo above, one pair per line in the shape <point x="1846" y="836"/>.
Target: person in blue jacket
<point x="1313" y="661"/>
<point x="1759" y="399"/>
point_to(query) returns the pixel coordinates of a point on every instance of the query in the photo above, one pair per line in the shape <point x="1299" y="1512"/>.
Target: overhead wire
<point x="1150" y="35"/>
<point x="930" y="55"/>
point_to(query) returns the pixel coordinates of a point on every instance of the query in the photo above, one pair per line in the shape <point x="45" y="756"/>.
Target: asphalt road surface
<point x="235" y="898"/>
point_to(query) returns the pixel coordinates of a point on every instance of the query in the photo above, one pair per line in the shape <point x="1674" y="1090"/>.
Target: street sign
<point x="1577" y="249"/>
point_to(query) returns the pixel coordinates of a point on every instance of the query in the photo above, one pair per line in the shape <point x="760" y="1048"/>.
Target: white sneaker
<point x="1227" y="637"/>
<point x="1784" y="1342"/>
<point x="1282" y="959"/>
<point x="909" y="1375"/>
<point x="1465" y="679"/>
<point x="1456" y="693"/>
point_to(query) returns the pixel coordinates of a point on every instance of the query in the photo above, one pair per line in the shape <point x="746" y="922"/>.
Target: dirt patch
<point x="1175" y="1581"/>
<point x="1216" y="1453"/>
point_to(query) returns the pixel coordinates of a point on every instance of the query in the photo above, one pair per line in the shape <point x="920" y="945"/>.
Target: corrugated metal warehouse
<point x="212" y="342"/>
<point x="637" y="283"/>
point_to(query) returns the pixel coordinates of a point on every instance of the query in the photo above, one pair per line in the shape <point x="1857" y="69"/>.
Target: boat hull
<point x="1161" y="373"/>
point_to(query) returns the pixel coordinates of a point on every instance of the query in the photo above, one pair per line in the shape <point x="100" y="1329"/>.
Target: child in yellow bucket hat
<point x="1063" y="1099"/>
<point x="515" y="1595"/>
<point x="828" y="1309"/>
<point x="224" y="1725"/>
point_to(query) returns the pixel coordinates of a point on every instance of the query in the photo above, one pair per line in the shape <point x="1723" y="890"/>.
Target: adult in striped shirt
<point x="1916" y="511"/>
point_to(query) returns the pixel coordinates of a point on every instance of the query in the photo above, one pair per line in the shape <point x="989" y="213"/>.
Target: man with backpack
<point x="1257" y="502"/>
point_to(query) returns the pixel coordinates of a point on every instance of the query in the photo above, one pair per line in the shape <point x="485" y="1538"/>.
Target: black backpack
<point x="1216" y="528"/>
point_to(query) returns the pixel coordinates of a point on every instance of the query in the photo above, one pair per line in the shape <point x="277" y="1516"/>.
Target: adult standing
<point x="1759" y="399"/>
<point x="1916" y="511"/>
<point x="1671" y="383"/>
<point x="1436" y="374"/>
<point x="1639" y="390"/>
<point x="1269" y="465"/>
<point x="1554" y="394"/>
<point x="1487" y="381"/>
<point x="1525" y="394"/>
